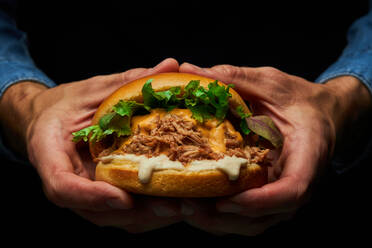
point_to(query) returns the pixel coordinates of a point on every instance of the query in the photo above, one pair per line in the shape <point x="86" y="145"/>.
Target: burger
<point x="179" y="135"/>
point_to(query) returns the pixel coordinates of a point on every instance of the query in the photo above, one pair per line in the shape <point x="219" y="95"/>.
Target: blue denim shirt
<point x="16" y="65"/>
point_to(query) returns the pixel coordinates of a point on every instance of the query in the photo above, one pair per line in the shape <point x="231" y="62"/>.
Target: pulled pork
<point x="180" y="140"/>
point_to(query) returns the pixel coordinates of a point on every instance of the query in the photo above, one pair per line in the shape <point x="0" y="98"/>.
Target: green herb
<point x="162" y="99"/>
<point x="84" y="133"/>
<point x="203" y="103"/>
<point x="207" y="103"/>
<point x="116" y="122"/>
<point x="243" y="124"/>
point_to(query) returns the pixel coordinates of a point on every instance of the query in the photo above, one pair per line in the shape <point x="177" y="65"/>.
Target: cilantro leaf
<point x="84" y="133"/>
<point x="201" y="112"/>
<point x="219" y="98"/>
<point x="116" y="122"/>
<point x="126" y="108"/>
<point x="243" y="124"/>
<point x="160" y="99"/>
<point x="240" y="112"/>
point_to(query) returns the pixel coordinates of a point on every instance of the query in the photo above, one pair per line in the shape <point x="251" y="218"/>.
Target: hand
<point x="310" y="117"/>
<point x="45" y="120"/>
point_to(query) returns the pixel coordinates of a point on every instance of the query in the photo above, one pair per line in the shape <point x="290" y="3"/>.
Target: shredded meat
<point x="180" y="140"/>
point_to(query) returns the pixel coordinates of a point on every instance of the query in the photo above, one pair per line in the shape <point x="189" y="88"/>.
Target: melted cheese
<point x="212" y="129"/>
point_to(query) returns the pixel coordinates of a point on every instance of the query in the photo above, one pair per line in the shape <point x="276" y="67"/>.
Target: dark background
<point x="71" y="41"/>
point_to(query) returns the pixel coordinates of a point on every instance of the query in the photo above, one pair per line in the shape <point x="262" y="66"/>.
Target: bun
<point x="170" y="182"/>
<point x="173" y="183"/>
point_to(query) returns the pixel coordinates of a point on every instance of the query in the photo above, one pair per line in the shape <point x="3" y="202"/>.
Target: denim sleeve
<point x="355" y="60"/>
<point x="15" y="65"/>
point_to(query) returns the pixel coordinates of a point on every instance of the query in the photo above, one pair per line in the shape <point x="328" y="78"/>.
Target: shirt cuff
<point x="13" y="72"/>
<point x="359" y="66"/>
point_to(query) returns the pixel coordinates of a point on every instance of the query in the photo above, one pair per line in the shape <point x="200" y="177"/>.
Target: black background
<point x="71" y="41"/>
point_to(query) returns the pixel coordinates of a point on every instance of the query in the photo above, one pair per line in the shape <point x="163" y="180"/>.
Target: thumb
<point x="167" y="65"/>
<point x="102" y="86"/>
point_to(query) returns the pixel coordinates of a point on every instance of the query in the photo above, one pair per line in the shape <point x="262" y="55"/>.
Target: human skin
<point x="312" y="118"/>
<point x="39" y="122"/>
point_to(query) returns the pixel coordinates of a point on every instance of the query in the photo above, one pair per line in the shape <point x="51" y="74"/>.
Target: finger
<point x="281" y="196"/>
<point x="139" y="219"/>
<point x="277" y="197"/>
<point x="119" y="79"/>
<point x="66" y="189"/>
<point x="206" y="218"/>
<point x="198" y="213"/>
<point x="102" y="86"/>
<point x="161" y="207"/>
<point x="247" y="80"/>
<point x="108" y="218"/>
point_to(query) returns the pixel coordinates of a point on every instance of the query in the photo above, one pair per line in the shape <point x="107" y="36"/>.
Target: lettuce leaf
<point x="162" y="99"/>
<point x="83" y="134"/>
<point x="207" y="103"/>
<point x="243" y="124"/>
<point x="265" y="127"/>
<point x="116" y="122"/>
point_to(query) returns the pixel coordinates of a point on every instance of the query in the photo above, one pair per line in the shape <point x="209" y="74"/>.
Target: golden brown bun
<point x="172" y="183"/>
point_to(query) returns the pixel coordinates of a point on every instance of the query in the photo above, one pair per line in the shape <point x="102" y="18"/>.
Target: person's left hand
<point x="310" y="117"/>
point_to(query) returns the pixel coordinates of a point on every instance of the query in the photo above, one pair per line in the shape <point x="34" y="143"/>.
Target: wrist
<point x="353" y="97"/>
<point x="17" y="111"/>
<point x="354" y="101"/>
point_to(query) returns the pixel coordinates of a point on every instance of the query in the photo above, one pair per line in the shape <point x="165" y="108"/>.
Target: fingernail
<point x="163" y="211"/>
<point x="230" y="208"/>
<point x="117" y="204"/>
<point x="186" y="209"/>
<point x="160" y="64"/>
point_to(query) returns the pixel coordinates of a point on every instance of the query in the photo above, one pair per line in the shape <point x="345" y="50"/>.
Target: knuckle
<point x="130" y="75"/>
<point x="225" y="69"/>
<point x="270" y="70"/>
<point x="272" y="73"/>
<point x="233" y="73"/>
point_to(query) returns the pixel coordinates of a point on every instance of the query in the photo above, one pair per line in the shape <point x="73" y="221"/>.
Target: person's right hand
<point x="42" y="121"/>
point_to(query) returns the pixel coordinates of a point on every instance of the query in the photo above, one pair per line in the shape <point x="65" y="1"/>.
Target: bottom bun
<point x="175" y="183"/>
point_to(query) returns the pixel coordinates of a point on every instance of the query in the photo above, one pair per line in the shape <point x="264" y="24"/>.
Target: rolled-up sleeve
<point x="15" y="62"/>
<point x="355" y="60"/>
<point x="16" y="65"/>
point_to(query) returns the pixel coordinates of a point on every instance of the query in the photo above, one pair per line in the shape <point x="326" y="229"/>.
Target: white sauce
<point x="229" y="165"/>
